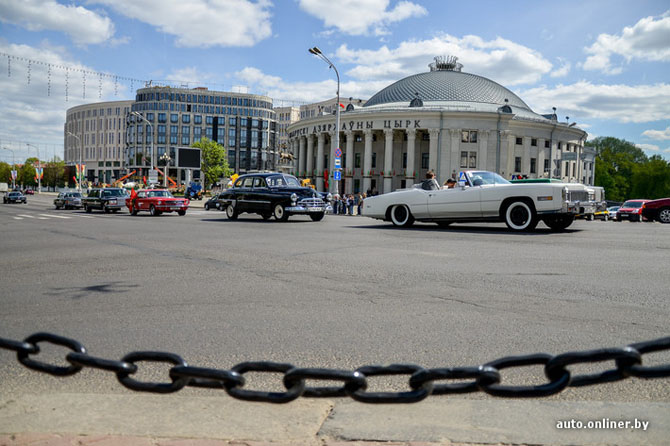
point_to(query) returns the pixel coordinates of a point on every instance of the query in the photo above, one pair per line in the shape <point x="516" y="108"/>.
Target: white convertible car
<point x="481" y="196"/>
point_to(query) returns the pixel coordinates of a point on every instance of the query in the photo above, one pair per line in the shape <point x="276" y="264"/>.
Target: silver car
<point x="68" y="200"/>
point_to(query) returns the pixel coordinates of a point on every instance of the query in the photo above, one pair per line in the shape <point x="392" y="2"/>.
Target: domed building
<point x="442" y="120"/>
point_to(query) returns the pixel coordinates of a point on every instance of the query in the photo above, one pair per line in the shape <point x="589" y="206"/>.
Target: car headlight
<point x="329" y="197"/>
<point x="294" y="197"/>
<point x="160" y="202"/>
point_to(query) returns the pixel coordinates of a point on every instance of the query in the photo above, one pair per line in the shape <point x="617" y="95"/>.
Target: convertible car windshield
<point x="479" y="178"/>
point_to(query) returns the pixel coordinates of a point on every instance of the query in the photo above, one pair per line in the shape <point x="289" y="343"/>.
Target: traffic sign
<point x="338" y="152"/>
<point x="461" y="176"/>
<point x="338" y="163"/>
<point x="337" y="175"/>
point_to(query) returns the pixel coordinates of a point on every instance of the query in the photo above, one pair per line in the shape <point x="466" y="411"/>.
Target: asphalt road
<point x="341" y="293"/>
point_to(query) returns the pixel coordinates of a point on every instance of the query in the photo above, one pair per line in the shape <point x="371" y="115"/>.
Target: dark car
<point x="14" y="197"/>
<point x="68" y="200"/>
<point x="631" y="210"/>
<point x="275" y="195"/>
<point x="657" y="210"/>
<point x="108" y="199"/>
<point x="213" y="203"/>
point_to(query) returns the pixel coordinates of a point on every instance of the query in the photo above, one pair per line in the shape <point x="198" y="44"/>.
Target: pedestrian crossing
<point x="48" y="216"/>
<point x="70" y="216"/>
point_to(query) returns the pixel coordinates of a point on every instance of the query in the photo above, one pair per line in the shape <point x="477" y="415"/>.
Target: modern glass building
<point x="245" y="124"/>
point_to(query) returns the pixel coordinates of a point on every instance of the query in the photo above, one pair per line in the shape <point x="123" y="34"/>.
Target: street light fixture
<point x="80" y="170"/>
<point x="166" y="158"/>
<point x="153" y="158"/>
<point x="39" y="165"/>
<point x="13" y="167"/>
<point x="317" y="52"/>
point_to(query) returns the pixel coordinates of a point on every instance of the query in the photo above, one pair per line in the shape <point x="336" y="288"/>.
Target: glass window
<point x="232" y="121"/>
<point x="546" y="144"/>
<point x="174" y="117"/>
<point x="519" y="141"/>
<point x="150" y="117"/>
<point x="259" y="182"/>
<point x="465" y="136"/>
<point x="185" y="119"/>
<point x="472" y="163"/>
<point x="464" y="159"/>
<point x="197" y="119"/>
<point x="424" y="160"/>
<point x="517" y="164"/>
<point x="374" y="159"/>
<point x="533" y="142"/>
<point x="533" y="165"/>
<point x="185" y="130"/>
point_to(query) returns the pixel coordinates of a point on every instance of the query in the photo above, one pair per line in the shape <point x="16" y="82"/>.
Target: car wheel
<point x="57" y="207"/>
<point x="106" y="209"/>
<point x="605" y="218"/>
<point x="559" y="223"/>
<point x="280" y="213"/>
<point x="153" y="211"/>
<point x="88" y="209"/>
<point x="664" y="215"/>
<point x="231" y="213"/>
<point x="317" y="217"/>
<point x="207" y="206"/>
<point x="520" y="216"/>
<point x="401" y="216"/>
<point x="591" y="217"/>
<point x="181" y="213"/>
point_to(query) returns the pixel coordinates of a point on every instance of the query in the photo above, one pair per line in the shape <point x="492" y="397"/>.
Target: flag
<point x="342" y="105"/>
<point x="133" y="194"/>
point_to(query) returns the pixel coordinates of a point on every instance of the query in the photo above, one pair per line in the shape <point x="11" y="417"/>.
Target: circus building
<point x="444" y="120"/>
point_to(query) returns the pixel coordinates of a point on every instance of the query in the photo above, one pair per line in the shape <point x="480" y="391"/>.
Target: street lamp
<point x="13" y="167"/>
<point x="166" y="158"/>
<point x="39" y="165"/>
<point x="81" y="173"/>
<point x="317" y="52"/>
<point x="153" y="158"/>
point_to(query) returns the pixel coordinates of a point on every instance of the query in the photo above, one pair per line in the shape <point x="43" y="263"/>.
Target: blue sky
<point x="605" y="64"/>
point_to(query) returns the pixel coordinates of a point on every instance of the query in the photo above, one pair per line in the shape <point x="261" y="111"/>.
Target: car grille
<point x="311" y="202"/>
<point x="578" y="195"/>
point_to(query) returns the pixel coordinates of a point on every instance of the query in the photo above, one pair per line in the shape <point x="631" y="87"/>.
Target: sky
<point x="603" y="64"/>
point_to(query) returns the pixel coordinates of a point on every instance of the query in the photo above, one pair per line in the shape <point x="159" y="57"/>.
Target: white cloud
<point x="657" y="134"/>
<point x="667" y="150"/>
<point x="202" y="23"/>
<point x="361" y="17"/>
<point x="35" y="111"/>
<point x="501" y="60"/>
<point x="82" y="25"/>
<point x="622" y="103"/>
<point x="648" y="147"/>
<point x="563" y="70"/>
<point x="647" y="40"/>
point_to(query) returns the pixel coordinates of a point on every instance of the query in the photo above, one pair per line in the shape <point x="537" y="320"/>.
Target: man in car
<point x="450" y="183"/>
<point x="430" y="183"/>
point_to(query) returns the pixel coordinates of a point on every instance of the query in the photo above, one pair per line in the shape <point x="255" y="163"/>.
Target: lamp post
<point x="153" y="158"/>
<point x="13" y="167"/>
<point x="317" y="52"/>
<point x="81" y="174"/>
<point x="39" y="165"/>
<point x="166" y="157"/>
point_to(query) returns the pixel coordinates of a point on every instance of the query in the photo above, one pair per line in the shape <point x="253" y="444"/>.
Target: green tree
<point x="214" y="161"/>
<point x="616" y="161"/>
<point x="54" y="173"/>
<point x="5" y="173"/>
<point x="651" y="179"/>
<point x="26" y="175"/>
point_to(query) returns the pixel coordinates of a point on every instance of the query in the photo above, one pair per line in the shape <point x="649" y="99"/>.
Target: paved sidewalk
<point x="174" y="420"/>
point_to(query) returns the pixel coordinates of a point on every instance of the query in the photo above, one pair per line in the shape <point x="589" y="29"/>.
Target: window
<point x="469" y="136"/>
<point x="174" y="117"/>
<point x="197" y="119"/>
<point x="472" y="163"/>
<point x="519" y="142"/>
<point x="574" y="169"/>
<point x="533" y="142"/>
<point x="232" y="121"/>
<point x="185" y="139"/>
<point x="185" y="130"/>
<point x="464" y="159"/>
<point x="185" y="119"/>
<point x="150" y="117"/>
<point x="424" y="161"/>
<point x="533" y="165"/>
<point x="374" y="159"/>
<point x="517" y="164"/>
<point x="357" y="160"/>
<point x="404" y="160"/>
<point x="546" y="144"/>
<point x="210" y="120"/>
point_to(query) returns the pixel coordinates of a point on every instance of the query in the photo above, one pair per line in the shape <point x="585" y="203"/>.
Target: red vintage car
<point x="657" y="210"/>
<point x="156" y="201"/>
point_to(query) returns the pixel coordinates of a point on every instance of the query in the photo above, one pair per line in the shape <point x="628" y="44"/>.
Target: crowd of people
<point x="348" y="204"/>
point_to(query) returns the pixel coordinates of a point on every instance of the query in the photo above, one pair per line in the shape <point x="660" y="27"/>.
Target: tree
<point x="651" y="179"/>
<point x="616" y="160"/>
<point x="5" y="172"/>
<point x="214" y="161"/>
<point x="26" y="175"/>
<point x="54" y="173"/>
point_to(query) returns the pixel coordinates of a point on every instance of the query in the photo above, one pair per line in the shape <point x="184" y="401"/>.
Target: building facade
<point x="99" y="141"/>
<point x="244" y="124"/>
<point x="443" y="120"/>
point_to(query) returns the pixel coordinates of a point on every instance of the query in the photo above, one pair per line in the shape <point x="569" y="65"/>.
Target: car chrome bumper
<point x="305" y="209"/>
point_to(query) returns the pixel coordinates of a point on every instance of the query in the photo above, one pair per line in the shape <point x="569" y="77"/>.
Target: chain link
<point x="422" y="381"/>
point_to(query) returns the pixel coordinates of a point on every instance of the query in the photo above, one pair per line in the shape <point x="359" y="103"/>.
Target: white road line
<point x="54" y="216"/>
<point x="32" y="216"/>
<point x="18" y="218"/>
<point x="82" y="216"/>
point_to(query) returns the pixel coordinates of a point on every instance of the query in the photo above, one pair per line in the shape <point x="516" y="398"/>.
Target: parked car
<point x="657" y="210"/>
<point x="212" y="203"/>
<point x="482" y="196"/>
<point x="14" y="197"/>
<point x="275" y="195"/>
<point x="108" y="199"/>
<point x="29" y="192"/>
<point x="68" y="200"/>
<point x="156" y="201"/>
<point x="603" y="215"/>
<point x="611" y="211"/>
<point x="631" y="210"/>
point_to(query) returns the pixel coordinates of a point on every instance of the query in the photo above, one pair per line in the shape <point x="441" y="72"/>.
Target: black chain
<point x="422" y="381"/>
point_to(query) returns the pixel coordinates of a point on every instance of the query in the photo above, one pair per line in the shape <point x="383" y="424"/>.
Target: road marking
<point x="32" y="216"/>
<point x="82" y="216"/>
<point x="54" y="216"/>
<point x="18" y="218"/>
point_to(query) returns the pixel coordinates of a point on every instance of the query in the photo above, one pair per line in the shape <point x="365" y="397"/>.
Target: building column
<point x="411" y="148"/>
<point x="349" y="167"/>
<point x="541" y="156"/>
<point x="525" y="156"/>
<point x="301" y="156"/>
<point x="388" y="161"/>
<point x="454" y="155"/>
<point x="319" y="161"/>
<point x="432" y="149"/>
<point x="310" y="157"/>
<point x="483" y="149"/>
<point x="367" y="160"/>
<point x="508" y="165"/>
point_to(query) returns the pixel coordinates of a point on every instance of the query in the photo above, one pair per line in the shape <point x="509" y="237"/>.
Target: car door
<point x="456" y="203"/>
<point x="243" y="195"/>
<point x="261" y="195"/>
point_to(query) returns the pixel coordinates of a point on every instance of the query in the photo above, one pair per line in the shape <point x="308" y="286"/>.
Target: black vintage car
<point x="275" y="195"/>
<point x="108" y="199"/>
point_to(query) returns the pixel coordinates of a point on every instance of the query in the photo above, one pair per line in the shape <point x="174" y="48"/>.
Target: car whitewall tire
<point x="230" y="212"/>
<point x="520" y="217"/>
<point x="401" y="216"/>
